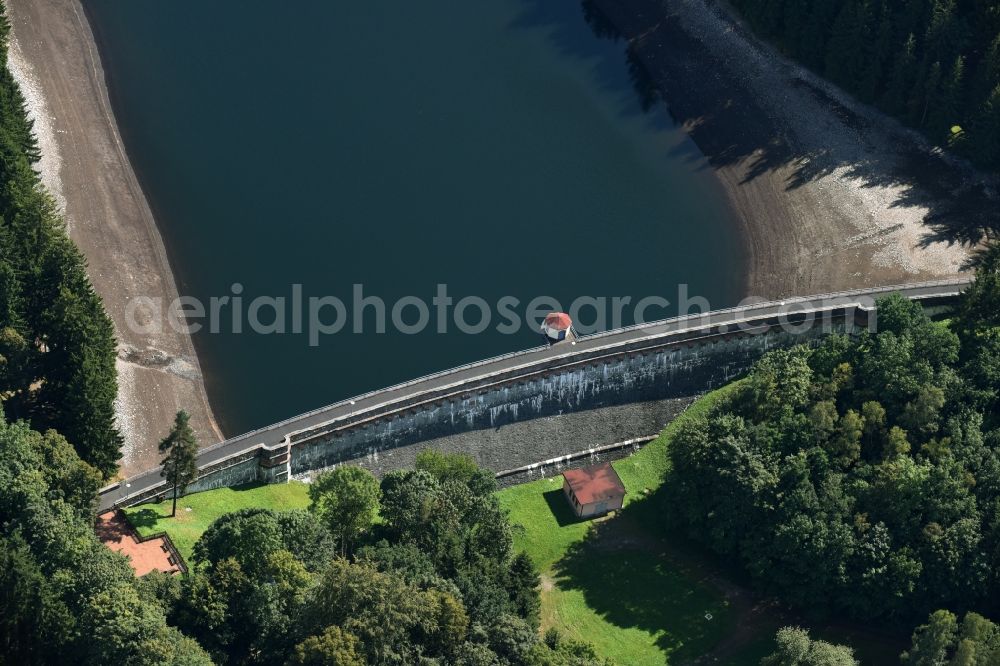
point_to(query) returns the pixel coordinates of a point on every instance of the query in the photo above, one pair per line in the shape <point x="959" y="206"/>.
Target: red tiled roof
<point x="594" y="484"/>
<point x="558" y="320"/>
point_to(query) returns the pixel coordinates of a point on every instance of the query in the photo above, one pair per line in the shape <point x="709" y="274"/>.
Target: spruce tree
<point x="985" y="133"/>
<point x="813" y="40"/>
<point x="846" y="50"/>
<point x="796" y="20"/>
<point x="945" y="108"/>
<point x="56" y="342"/>
<point x="876" y="54"/>
<point x="180" y="467"/>
<point x="927" y="92"/>
<point x="931" y="63"/>
<point x="987" y="73"/>
<point x="894" y="98"/>
<point x="943" y="31"/>
<point x="78" y="392"/>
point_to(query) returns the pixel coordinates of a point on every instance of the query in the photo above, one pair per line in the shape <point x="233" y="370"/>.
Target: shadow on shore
<point x="731" y="125"/>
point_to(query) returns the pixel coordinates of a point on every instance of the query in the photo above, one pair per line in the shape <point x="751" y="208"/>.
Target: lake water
<point x="497" y="147"/>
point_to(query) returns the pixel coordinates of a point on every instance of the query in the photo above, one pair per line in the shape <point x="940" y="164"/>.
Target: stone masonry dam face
<point x="523" y="408"/>
<point x="650" y="387"/>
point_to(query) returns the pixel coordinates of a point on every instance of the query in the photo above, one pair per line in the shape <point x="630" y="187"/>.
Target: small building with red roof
<point x="593" y="491"/>
<point x="558" y="327"/>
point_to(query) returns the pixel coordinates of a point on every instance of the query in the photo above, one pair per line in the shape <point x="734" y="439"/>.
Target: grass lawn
<point x="196" y="512"/>
<point x="634" y="604"/>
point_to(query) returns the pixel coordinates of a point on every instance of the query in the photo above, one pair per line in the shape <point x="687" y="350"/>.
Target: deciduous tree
<point x="796" y="648"/>
<point x="346" y="499"/>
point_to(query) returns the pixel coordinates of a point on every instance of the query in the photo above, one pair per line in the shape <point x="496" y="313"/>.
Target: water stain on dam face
<point x="498" y="147"/>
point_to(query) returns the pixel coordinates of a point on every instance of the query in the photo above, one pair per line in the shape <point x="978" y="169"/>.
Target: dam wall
<point x="540" y="404"/>
<point x="658" y="382"/>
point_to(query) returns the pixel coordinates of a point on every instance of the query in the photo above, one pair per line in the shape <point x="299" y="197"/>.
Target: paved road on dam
<point x="733" y="320"/>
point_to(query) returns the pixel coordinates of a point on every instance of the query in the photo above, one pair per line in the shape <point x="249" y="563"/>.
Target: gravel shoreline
<point x="50" y="163"/>
<point x="54" y="58"/>
<point x="831" y="194"/>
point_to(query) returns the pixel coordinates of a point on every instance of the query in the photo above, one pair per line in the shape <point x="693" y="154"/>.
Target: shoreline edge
<point x="85" y="166"/>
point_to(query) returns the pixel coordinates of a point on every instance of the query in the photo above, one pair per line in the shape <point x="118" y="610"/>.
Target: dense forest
<point x="419" y="568"/>
<point x="861" y="477"/>
<point x="935" y="64"/>
<point x="66" y="597"/>
<point x="57" y="349"/>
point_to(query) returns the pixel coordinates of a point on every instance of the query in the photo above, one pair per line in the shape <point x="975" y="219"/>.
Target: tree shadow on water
<point x="584" y="33"/>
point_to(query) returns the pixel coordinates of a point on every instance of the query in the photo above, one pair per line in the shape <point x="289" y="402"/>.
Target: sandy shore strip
<point x="55" y="61"/>
<point x="831" y="194"/>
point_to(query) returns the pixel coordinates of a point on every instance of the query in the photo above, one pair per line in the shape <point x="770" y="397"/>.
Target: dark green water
<point x="496" y="146"/>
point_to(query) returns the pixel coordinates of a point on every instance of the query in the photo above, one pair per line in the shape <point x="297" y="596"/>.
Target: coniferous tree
<point x="57" y="348"/>
<point x="77" y="396"/>
<point x="945" y="109"/>
<point x="796" y="21"/>
<point x="943" y="31"/>
<point x="180" y="467"/>
<point x="770" y="17"/>
<point x="814" y="39"/>
<point x="988" y="74"/>
<point x="986" y="131"/>
<point x="845" y="53"/>
<point x="926" y="94"/>
<point x="876" y="54"/>
<point x="932" y="63"/>
<point x="894" y="98"/>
